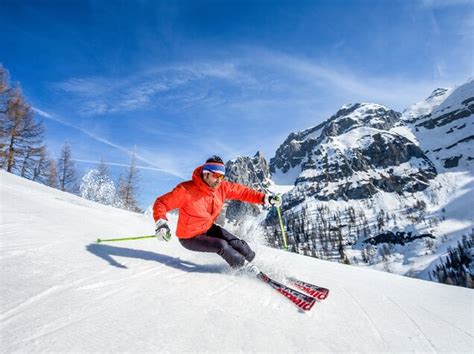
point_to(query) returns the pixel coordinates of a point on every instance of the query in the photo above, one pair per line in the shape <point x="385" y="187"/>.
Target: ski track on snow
<point x="57" y="326"/>
<point x="412" y="321"/>
<point x="148" y="273"/>
<point x="445" y="321"/>
<point x="6" y="316"/>
<point x="375" y="330"/>
<point x="18" y="309"/>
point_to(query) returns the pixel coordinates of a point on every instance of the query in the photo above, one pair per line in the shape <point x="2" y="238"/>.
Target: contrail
<point x="125" y="165"/>
<point x="109" y="143"/>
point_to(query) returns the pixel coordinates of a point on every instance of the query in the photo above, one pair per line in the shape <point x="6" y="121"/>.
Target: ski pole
<point x="124" y="239"/>
<point x="285" y="244"/>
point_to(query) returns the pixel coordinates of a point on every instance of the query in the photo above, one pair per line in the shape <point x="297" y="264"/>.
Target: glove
<point x="162" y="231"/>
<point x="273" y="200"/>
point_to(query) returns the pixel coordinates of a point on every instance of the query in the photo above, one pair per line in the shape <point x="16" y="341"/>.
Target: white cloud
<point x="98" y="95"/>
<point x="101" y="95"/>
<point x="257" y="74"/>
<point x="92" y="86"/>
<point x="444" y="3"/>
<point x="396" y="92"/>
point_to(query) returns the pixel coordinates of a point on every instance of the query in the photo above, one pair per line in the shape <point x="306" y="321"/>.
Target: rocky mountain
<point x="444" y="126"/>
<point x="353" y="155"/>
<point x="252" y="172"/>
<point x="368" y="172"/>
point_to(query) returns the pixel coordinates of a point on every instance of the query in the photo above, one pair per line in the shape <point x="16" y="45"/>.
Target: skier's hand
<point x="273" y="200"/>
<point x="162" y="231"/>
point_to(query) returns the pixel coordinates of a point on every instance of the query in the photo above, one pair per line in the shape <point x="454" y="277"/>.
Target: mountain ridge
<point x="378" y="170"/>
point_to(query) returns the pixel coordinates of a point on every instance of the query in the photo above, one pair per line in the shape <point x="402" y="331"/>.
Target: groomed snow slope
<point x="62" y="292"/>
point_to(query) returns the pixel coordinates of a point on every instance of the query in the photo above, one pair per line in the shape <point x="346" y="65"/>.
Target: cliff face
<point x="353" y="155"/>
<point x="444" y="127"/>
<point x="253" y="172"/>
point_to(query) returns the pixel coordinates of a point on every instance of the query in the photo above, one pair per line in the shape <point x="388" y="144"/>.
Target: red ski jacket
<point x="199" y="205"/>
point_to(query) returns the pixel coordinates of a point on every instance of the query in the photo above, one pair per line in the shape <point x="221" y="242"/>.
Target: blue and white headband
<point x="213" y="167"/>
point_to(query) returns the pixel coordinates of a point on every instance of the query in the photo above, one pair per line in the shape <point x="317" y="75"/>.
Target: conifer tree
<point x="21" y="136"/>
<point x="128" y="187"/>
<point x="67" y="171"/>
<point x="50" y="176"/>
<point x="40" y="167"/>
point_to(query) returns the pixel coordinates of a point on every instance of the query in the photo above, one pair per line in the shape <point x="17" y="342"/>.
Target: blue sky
<point x="178" y="81"/>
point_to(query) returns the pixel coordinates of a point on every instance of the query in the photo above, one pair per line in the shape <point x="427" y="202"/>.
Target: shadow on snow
<point x="106" y="252"/>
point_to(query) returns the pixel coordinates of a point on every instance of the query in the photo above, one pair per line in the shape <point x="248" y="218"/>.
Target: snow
<point x="286" y="178"/>
<point x="448" y="216"/>
<point x="361" y="137"/>
<point x="425" y="107"/>
<point x="444" y="142"/>
<point x="406" y="132"/>
<point x="61" y="292"/>
<point x="362" y="112"/>
<point x="311" y="133"/>
<point x="280" y="189"/>
<point x="458" y="94"/>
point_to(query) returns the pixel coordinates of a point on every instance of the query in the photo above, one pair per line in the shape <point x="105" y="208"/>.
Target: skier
<point x="199" y="202"/>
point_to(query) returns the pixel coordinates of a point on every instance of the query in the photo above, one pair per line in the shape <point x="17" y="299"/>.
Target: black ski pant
<point x="218" y="240"/>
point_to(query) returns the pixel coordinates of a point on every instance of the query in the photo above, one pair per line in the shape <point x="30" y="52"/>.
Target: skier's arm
<point x="245" y="194"/>
<point x="168" y="201"/>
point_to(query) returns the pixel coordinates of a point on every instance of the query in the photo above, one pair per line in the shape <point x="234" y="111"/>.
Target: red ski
<point x="302" y="301"/>
<point x="315" y="291"/>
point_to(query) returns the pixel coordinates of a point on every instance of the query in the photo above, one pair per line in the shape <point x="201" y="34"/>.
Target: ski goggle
<point x="217" y="170"/>
<point x="217" y="176"/>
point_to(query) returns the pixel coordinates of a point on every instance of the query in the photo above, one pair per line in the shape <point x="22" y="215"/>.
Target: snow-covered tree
<point x="98" y="187"/>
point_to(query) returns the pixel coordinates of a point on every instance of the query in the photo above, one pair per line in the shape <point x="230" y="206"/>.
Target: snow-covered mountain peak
<point x="360" y="110"/>
<point x="349" y="124"/>
<point x="426" y="106"/>
<point x="361" y="114"/>
<point x="441" y="101"/>
<point x="444" y="125"/>
<point x="460" y="97"/>
<point x="439" y="92"/>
